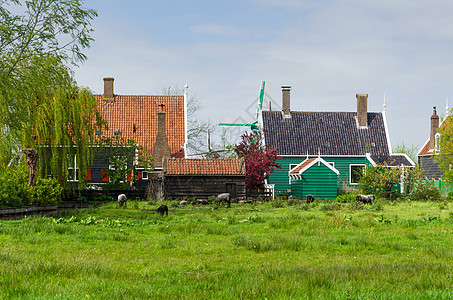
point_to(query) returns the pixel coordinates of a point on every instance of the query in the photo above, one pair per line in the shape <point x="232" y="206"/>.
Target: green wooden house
<point x="347" y="141"/>
<point x="314" y="176"/>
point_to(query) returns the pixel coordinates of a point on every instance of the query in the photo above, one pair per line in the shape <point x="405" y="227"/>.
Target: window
<point x="331" y="164"/>
<point x="73" y="170"/>
<point x="437" y="142"/>
<point x="355" y="173"/>
<point x="292" y="166"/>
<point x="145" y="175"/>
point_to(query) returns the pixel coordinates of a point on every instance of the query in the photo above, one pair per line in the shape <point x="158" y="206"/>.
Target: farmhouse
<point x="431" y="148"/>
<point x="158" y="123"/>
<point x="341" y="143"/>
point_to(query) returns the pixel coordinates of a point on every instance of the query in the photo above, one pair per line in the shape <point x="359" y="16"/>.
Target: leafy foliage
<point x="409" y="150"/>
<point x="64" y="130"/>
<point x="383" y="181"/>
<point x="14" y="190"/>
<point x="40" y="103"/>
<point x="425" y="191"/>
<point x="46" y="27"/>
<point x="346" y="198"/>
<point x="445" y="157"/>
<point x="46" y="191"/>
<point x="124" y="156"/>
<point x="260" y="162"/>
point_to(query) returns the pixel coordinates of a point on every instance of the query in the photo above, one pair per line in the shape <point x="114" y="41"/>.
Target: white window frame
<point x="74" y="168"/>
<point x="437" y="142"/>
<point x="143" y="175"/>
<point x="331" y="163"/>
<point x="350" y="172"/>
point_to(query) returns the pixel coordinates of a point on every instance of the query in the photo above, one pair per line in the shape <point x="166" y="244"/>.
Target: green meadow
<point x="324" y="250"/>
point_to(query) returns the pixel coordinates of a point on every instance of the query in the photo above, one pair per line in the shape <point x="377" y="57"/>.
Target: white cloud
<point x="328" y="52"/>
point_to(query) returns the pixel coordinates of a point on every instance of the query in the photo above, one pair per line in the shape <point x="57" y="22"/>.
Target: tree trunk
<point x="32" y="162"/>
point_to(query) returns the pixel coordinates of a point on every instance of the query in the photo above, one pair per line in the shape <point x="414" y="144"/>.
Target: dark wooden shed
<point x="201" y="178"/>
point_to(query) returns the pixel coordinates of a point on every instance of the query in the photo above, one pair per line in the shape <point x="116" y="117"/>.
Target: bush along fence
<point x="444" y="187"/>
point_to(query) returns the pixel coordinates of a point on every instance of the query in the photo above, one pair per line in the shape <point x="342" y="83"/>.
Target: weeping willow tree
<point x="41" y="106"/>
<point x="44" y="109"/>
<point x="64" y="133"/>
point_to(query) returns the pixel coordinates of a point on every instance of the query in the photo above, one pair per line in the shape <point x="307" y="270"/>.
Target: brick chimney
<point x="286" y="90"/>
<point x="362" y="112"/>
<point x="434" y="128"/>
<point x="161" y="149"/>
<point x="108" y="89"/>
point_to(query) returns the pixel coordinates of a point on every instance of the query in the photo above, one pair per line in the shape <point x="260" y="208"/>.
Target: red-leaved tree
<point x="260" y="162"/>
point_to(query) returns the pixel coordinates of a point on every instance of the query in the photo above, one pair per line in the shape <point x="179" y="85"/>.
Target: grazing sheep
<point x="122" y="199"/>
<point x="183" y="202"/>
<point x="163" y="209"/>
<point x="225" y="197"/>
<point x="200" y="201"/>
<point x="365" y="199"/>
<point x="310" y="198"/>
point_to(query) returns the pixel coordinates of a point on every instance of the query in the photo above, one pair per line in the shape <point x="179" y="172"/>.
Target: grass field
<point x="319" y="251"/>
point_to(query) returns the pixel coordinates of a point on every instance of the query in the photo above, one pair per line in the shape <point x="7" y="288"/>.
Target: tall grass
<point x="399" y="251"/>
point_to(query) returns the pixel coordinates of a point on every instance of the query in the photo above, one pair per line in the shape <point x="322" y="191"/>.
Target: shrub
<point x="329" y="206"/>
<point x="346" y="198"/>
<point x="425" y="191"/>
<point x="292" y="202"/>
<point x="14" y="191"/>
<point x="46" y="191"/>
<point x="277" y="203"/>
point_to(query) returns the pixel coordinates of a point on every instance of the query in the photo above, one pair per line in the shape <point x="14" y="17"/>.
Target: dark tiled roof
<point x="325" y="133"/>
<point x="180" y="166"/>
<point x="392" y="160"/>
<point x="141" y="111"/>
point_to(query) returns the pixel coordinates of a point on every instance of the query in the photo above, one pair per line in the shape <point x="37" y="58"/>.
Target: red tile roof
<point x="425" y="149"/>
<point x="141" y="111"/>
<point x="204" y="167"/>
<point x="302" y="165"/>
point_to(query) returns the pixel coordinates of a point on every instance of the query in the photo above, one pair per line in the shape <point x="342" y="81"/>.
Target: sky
<point x="326" y="50"/>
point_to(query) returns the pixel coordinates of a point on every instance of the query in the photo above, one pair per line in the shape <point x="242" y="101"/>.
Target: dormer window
<point x="437" y="142"/>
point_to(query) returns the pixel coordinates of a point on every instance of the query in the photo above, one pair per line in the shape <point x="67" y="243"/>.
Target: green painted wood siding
<point x="319" y="181"/>
<point x="280" y="177"/>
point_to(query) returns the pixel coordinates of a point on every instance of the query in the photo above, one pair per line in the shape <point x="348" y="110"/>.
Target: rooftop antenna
<point x="384" y="106"/>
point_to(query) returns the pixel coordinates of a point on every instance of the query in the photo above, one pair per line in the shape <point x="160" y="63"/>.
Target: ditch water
<point x="8" y="214"/>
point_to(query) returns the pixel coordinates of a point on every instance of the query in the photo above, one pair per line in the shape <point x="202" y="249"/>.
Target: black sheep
<point x="163" y="209"/>
<point x="365" y="199"/>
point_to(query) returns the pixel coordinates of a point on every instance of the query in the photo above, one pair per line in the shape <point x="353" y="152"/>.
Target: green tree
<point x="445" y="143"/>
<point x="384" y="181"/>
<point x="409" y="150"/>
<point x="40" y="103"/>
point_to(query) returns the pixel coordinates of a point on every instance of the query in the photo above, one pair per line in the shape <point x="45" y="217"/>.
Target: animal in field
<point x="122" y="199"/>
<point x="365" y="199"/>
<point x="310" y="198"/>
<point x="163" y="209"/>
<point x="223" y="198"/>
